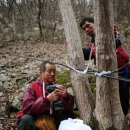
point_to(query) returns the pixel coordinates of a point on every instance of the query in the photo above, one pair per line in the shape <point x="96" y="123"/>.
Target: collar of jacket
<point x="40" y="81"/>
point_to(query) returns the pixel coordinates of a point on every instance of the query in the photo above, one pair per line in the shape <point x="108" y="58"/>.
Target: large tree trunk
<point x="80" y="83"/>
<point x="108" y="109"/>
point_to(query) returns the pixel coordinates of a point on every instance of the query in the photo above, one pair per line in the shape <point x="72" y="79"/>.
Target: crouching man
<point x="45" y="104"/>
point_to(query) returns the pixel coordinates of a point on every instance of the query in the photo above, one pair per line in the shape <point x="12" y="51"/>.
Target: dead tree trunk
<point x="108" y="109"/>
<point x="80" y="83"/>
<point x="40" y="6"/>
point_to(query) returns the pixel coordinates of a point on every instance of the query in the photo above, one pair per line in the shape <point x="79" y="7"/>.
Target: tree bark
<point x="108" y="109"/>
<point x="40" y="5"/>
<point x="80" y="82"/>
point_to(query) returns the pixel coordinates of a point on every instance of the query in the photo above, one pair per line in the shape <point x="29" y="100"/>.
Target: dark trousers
<point x="26" y="122"/>
<point x="124" y="90"/>
<point x="60" y="117"/>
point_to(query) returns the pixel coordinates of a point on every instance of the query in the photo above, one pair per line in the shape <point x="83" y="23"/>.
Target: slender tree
<point x="108" y="109"/>
<point x="40" y="6"/>
<point x="80" y="83"/>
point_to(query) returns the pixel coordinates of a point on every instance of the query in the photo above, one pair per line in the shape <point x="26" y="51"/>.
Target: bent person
<point x="87" y="24"/>
<point x="45" y="103"/>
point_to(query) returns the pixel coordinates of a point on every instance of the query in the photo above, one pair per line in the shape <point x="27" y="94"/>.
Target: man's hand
<point x="53" y="96"/>
<point x="61" y="90"/>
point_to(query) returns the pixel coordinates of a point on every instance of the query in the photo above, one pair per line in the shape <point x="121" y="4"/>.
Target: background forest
<point x="41" y="19"/>
<point x="32" y="31"/>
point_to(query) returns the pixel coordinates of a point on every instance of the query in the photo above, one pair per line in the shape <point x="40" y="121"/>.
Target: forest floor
<point x="19" y="54"/>
<point x="15" y="55"/>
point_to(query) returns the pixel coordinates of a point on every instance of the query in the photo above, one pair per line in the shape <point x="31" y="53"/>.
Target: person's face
<point x="49" y="74"/>
<point x="88" y="28"/>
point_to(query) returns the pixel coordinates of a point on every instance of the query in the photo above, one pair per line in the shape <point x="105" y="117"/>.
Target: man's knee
<point x="27" y="118"/>
<point x="26" y="122"/>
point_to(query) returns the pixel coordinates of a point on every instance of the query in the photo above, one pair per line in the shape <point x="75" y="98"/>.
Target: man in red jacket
<point x="45" y="97"/>
<point x="87" y="24"/>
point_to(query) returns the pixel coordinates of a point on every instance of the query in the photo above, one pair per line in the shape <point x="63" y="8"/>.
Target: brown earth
<point x="19" y="63"/>
<point x="21" y="60"/>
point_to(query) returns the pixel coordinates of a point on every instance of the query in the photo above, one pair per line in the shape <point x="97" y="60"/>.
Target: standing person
<point x="45" y="99"/>
<point x="87" y="24"/>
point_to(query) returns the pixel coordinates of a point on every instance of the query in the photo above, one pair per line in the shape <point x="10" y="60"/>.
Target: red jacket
<point x="35" y="104"/>
<point x="122" y="55"/>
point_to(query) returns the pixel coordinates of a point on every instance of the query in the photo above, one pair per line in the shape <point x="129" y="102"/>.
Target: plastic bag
<point x="73" y="124"/>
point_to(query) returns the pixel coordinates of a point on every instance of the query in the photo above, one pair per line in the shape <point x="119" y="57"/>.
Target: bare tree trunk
<point x="83" y="95"/>
<point x="108" y="109"/>
<point x="40" y="5"/>
<point x="54" y="19"/>
<point x="128" y="2"/>
<point x="13" y="32"/>
<point x="80" y="83"/>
